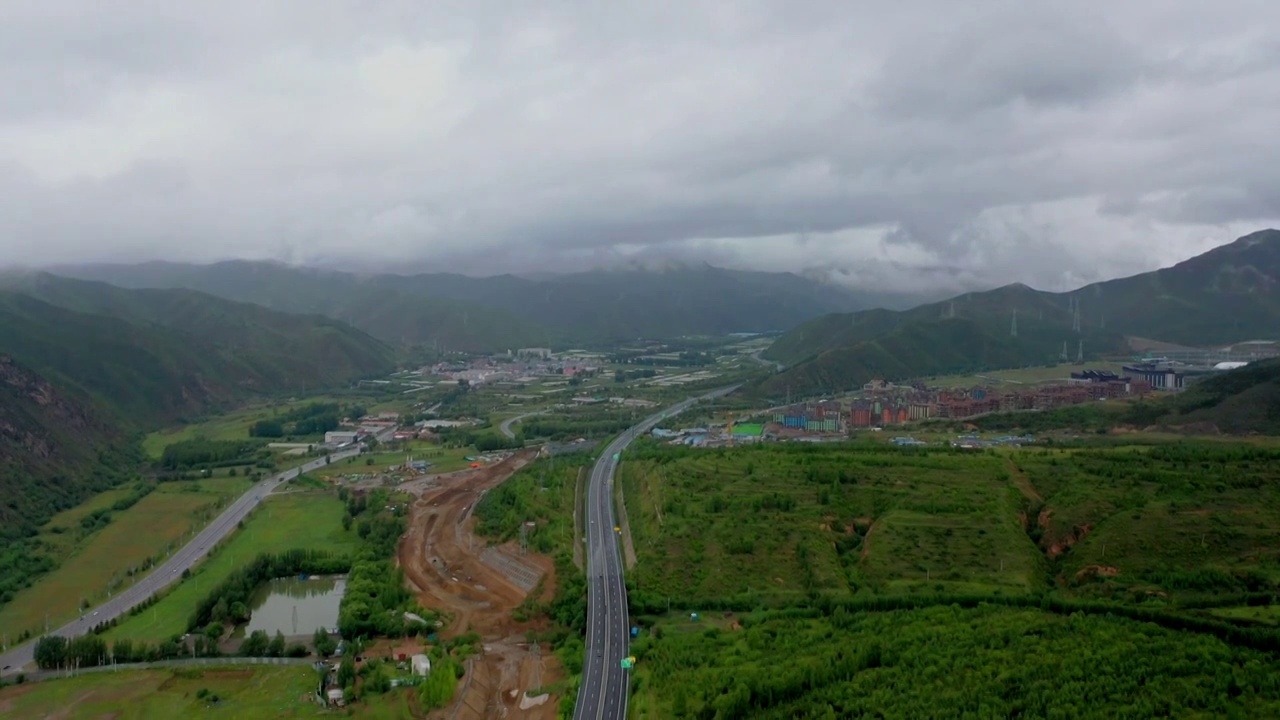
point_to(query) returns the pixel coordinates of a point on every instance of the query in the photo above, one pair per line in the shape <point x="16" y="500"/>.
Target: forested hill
<point x="1229" y="294"/>
<point x="78" y="388"/>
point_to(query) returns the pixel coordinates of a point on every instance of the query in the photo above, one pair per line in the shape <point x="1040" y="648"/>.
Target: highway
<point x="171" y="570"/>
<point x="605" y="684"/>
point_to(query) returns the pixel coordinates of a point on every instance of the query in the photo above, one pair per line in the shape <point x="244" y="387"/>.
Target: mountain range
<point x="458" y="312"/>
<point x="1226" y="295"/>
<point x="85" y="367"/>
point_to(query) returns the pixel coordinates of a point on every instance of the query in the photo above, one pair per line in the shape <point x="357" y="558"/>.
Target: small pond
<point x="296" y="606"/>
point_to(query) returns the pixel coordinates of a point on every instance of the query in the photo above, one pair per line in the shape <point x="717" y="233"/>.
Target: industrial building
<point x="1160" y="378"/>
<point x="339" y="437"/>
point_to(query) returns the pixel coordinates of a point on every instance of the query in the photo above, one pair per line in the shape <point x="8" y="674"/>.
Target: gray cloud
<point x="926" y="142"/>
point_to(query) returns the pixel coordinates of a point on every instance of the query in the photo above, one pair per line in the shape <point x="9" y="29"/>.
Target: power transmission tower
<point x="1080" y="352"/>
<point x="1075" y="318"/>
<point x="1063" y="356"/>
<point x="1013" y="328"/>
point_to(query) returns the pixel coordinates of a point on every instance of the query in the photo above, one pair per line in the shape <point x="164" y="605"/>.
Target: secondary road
<point x="605" y="683"/>
<point x="505" y="425"/>
<point x="172" y="569"/>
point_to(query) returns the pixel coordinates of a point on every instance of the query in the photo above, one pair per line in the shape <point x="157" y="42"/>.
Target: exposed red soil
<point x="1090" y="572"/>
<point x="1061" y="545"/>
<point x="441" y="559"/>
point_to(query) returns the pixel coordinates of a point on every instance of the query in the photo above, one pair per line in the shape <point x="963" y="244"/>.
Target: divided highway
<point x="605" y="684"/>
<point x="171" y="570"/>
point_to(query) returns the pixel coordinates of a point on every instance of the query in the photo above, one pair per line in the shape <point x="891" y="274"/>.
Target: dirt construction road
<point x="450" y="569"/>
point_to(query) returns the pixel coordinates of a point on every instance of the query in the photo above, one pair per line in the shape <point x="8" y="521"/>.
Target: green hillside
<point x="80" y="381"/>
<point x="158" y="355"/>
<point x="52" y="448"/>
<point x="1225" y="295"/>
<point x="275" y="351"/>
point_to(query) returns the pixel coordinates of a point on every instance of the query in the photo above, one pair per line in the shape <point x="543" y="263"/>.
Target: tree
<point x="323" y="642"/>
<point x="346" y="672"/>
<point x="51" y="652"/>
<point x="221" y="612"/>
<point x="437" y="691"/>
<point x="277" y="646"/>
<point x="255" y="645"/>
<point x="267" y="429"/>
<point x="214" y="630"/>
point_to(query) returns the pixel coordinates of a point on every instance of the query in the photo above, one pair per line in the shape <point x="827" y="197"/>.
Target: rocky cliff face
<point x="50" y="444"/>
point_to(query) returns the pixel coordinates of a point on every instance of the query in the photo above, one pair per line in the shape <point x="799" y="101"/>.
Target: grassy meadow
<point x="294" y="520"/>
<point x="1020" y="376"/>
<point x="233" y="425"/>
<point x="91" y="563"/>
<point x="242" y="692"/>
<point x="442" y="459"/>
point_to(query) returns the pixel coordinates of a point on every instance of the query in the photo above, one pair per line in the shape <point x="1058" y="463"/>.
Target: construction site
<point x="479" y="585"/>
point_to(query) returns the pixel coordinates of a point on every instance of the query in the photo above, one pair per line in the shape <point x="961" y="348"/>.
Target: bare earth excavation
<point x="453" y="570"/>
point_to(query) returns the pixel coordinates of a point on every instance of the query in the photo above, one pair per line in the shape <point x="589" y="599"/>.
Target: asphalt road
<point x="505" y="425"/>
<point x="171" y="570"/>
<point x="605" y="684"/>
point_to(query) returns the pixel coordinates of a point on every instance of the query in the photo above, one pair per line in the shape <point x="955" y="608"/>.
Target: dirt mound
<point x="446" y="565"/>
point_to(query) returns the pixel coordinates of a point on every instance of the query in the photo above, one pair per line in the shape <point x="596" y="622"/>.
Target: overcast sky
<point x="960" y="144"/>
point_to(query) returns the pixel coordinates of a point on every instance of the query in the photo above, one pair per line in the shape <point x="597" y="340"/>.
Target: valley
<point x="883" y="484"/>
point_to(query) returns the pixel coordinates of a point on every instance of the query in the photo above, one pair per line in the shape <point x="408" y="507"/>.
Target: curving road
<point x="505" y="425"/>
<point x="605" y="684"/>
<point x="171" y="570"/>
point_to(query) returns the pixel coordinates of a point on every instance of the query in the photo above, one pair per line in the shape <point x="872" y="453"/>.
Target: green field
<point x="296" y="520"/>
<point x="1021" y="376"/>
<point x="944" y="662"/>
<point x="753" y="429"/>
<point x="231" y="426"/>
<point x="442" y="460"/>
<point x="243" y="692"/>
<point x="783" y="522"/>
<point x="92" y="563"/>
